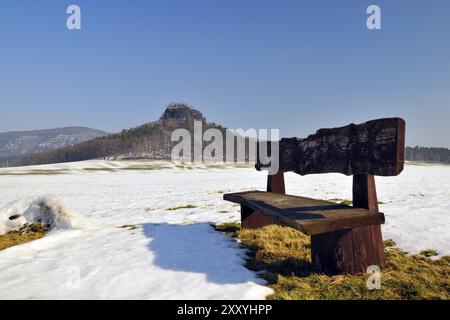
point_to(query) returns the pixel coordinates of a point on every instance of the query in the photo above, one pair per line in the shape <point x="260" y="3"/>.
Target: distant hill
<point x="14" y="145"/>
<point x="425" y="154"/>
<point x="148" y="141"/>
<point x="151" y="140"/>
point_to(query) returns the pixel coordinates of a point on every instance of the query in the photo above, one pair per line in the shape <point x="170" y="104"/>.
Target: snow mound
<point x="48" y="211"/>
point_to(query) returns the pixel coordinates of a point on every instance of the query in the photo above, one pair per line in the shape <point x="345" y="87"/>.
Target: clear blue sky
<point x="294" y="65"/>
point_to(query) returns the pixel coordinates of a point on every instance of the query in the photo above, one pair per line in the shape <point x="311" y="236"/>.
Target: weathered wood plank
<point x="372" y="250"/>
<point x="253" y="219"/>
<point x="375" y="147"/>
<point x="275" y="183"/>
<point x="347" y="251"/>
<point x="364" y="192"/>
<point x="332" y="252"/>
<point x="310" y="216"/>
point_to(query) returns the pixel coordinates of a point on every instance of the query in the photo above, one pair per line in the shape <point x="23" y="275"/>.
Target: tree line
<point x="427" y="154"/>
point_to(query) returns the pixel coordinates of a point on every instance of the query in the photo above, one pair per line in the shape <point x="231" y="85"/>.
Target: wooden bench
<point x="344" y="239"/>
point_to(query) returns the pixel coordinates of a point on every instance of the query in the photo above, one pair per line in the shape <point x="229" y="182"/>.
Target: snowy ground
<point x="175" y="254"/>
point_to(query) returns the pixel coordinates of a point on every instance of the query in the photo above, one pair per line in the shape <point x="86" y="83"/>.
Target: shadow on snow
<point x="198" y="248"/>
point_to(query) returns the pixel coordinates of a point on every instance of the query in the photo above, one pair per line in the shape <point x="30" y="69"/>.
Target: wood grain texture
<point x="253" y="219"/>
<point x="275" y="183"/>
<point x="347" y="251"/>
<point x="310" y="216"/>
<point x="365" y="196"/>
<point x="332" y="252"/>
<point x="364" y="192"/>
<point x="375" y="147"/>
<point x="352" y="251"/>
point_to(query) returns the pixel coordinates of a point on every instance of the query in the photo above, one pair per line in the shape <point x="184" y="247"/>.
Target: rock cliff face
<point x="181" y="112"/>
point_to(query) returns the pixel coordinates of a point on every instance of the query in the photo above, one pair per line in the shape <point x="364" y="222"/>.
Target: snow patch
<point x="175" y="254"/>
<point x="49" y="211"/>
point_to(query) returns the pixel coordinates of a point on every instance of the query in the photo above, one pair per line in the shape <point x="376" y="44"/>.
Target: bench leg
<point x="253" y="219"/>
<point x="348" y="251"/>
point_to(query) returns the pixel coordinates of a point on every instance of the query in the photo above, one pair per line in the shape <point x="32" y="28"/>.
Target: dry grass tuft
<point x="129" y="226"/>
<point x="26" y="234"/>
<point x="389" y="243"/>
<point x="428" y="253"/>
<point x="187" y="206"/>
<point x="230" y="229"/>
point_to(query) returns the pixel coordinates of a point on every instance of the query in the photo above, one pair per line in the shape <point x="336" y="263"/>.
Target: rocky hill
<point x="148" y="141"/>
<point x="14" y="145"/>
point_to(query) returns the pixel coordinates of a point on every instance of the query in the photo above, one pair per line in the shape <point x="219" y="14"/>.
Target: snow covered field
<point x="175" y="254"/>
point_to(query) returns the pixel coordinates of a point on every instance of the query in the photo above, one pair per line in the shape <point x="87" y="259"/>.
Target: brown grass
<point x="187" y="206"/>
<point x="282" y="255"/>
<point x="129" y="226"/>
<point x="14" y="238"/>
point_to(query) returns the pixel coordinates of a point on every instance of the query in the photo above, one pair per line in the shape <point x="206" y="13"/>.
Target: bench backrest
<point x="373" y="148"/>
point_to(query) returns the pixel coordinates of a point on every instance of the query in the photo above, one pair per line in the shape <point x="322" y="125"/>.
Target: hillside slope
<point x="148" y="141"/>
<point x="16" y="144"/>
<point x="152" y="141"/>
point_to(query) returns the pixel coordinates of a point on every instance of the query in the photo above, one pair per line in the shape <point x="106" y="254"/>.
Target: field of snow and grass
<point x="167" y="249"/>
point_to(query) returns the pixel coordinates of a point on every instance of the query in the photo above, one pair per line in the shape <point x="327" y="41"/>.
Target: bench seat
<point x="310" y="216"/>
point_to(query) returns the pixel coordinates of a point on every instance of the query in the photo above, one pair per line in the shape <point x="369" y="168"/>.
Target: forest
<point x="427" y="154"/>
